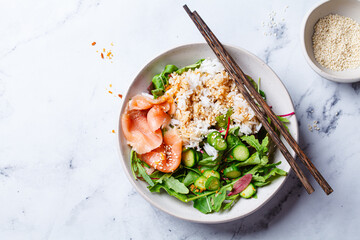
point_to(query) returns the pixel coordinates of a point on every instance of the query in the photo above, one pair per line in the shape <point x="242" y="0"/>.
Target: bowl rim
<point x="119" y="140"/>
<point x="318" y="70"/>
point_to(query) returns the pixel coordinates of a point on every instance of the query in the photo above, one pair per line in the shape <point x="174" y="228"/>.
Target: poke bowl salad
<point x="193" y="136"/>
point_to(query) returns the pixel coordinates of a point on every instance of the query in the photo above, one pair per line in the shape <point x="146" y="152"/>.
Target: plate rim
<point x="119" y="140"/>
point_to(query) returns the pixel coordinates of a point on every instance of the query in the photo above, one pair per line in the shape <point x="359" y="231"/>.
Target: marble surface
<point x="60" y="174"/>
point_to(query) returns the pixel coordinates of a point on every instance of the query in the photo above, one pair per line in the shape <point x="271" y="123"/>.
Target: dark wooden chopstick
<point x="244" y="86"/>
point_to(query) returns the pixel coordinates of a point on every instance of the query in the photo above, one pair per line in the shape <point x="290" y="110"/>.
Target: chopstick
<point x="262" y="113"/>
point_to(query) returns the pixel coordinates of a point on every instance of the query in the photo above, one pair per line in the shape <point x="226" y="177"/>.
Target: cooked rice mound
<point x="203" y="94"/>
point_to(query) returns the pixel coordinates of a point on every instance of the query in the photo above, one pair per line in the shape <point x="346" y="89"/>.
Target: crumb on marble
<point x="93" y="44"/>
<point x="113" y="131"/>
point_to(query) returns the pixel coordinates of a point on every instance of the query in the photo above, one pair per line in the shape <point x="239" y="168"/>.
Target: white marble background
<point x="60" y="175"/>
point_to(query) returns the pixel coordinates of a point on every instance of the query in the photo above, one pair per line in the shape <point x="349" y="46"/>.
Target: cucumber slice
<point x="211" y="173"/>
<point x="212" y="136"/>
<point x="189" y="158"/>
<point x="220" y="144"/>
<point x="200" y="183"/>
<point x="212" y="183"/>
<point x="248" y="192"/>
<point x="240" y="152"/>
<point x="232" y="172"/>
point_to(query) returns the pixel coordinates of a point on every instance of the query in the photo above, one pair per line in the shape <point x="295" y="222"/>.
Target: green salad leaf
<point x="219" y="198"/>
<point x="144" y="174"/>
<point x="190" y="178"/>
<point x="190" y="67"/>
<point x="161" y="80"/>
<point x="203" y="204"/>
<point x="176" y="185"/>
<point x="260" y="148"/>
<point x="222" y="120"/>
<point x="257" y="87"/>
<point x="157" y="187"/>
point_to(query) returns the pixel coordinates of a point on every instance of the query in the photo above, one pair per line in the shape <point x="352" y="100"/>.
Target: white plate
<point x="278" y="98"/>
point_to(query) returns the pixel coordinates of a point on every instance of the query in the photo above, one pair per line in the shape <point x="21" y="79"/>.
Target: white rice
<point x="203" y="94"/>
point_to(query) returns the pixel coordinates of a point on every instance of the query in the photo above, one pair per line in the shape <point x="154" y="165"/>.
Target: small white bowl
<point x="347" y="8"/>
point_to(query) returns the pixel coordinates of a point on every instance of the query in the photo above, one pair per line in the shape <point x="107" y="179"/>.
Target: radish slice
<point x="227" y="128"/>
<point x="241" y="184"/>
<point x="286" y="115"/>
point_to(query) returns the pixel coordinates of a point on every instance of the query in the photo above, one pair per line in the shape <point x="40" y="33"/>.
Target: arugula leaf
<point x="222" y="120"/>
<point x="143" y="173"/>
<point x="256" y="86"/>
<point x="192" y="67"/>
<point x="219" y="198"/>
<point x="157" y="92"/>
<point x="254" y="159"/>
<point x="233" y="201"/>
<point x="164" y="176"/>
<point x="234" y="131"/>
<point x="190" y="178"/>
<point x="252" y="141"/>
<point x="203" y="204"/>
<point x="193" y="169"/>
<point x="176" y="185"/>
<point x="268" y="178"/>
<point x="284" y="121"/>
<point x="133" y="164"/>
<point x="210" y="162"/>
<point x="160" y="81"/>
<point x="171" y="192"/>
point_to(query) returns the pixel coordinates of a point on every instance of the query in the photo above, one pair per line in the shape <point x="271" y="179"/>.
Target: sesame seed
<point x="336" y="42"/>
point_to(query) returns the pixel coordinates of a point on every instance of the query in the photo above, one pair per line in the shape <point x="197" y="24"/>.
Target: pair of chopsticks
<point x="260" y="107"/>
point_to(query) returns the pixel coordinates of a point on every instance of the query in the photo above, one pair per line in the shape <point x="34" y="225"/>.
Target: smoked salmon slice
<point x="141" y="102"/>
<point x="167" y="157"/>
<point x="157" y="118"/>
<point x="138" y="133"/>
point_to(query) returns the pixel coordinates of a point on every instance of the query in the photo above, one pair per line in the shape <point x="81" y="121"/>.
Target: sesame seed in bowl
<point x="331" y="40"/>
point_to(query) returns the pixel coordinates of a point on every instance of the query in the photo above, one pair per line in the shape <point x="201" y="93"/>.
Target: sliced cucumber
<point x="220" y="144"/>
<point x="232" y="172"/>
<point x="248" y="192"/>
<point x="212" y="136"/>
<point x="240" y="152"/>
<point x="200" y="183"/>
<point x="212" y="183"/>
<point x="189" y="157"/>
<point x="211" y="173"/>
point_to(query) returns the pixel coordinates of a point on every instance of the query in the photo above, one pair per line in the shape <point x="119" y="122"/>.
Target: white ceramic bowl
<point x="347" y="8"/>
<point x="277" y="95"/>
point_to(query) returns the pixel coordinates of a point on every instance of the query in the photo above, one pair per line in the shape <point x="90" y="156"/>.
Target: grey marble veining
<point x="60" y="174"/>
